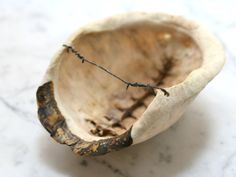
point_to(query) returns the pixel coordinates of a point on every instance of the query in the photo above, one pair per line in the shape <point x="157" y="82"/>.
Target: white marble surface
<point x="202" y="144"/>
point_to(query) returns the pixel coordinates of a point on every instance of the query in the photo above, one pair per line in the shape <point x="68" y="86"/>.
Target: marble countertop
<point x="202" y="143"/>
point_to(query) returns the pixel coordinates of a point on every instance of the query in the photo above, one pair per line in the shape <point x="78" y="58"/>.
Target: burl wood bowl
<point x="93" y="113"/>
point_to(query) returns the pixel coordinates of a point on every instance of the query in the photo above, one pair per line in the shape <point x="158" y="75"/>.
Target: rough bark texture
<point x="52" y="119"/>
<point x="94" y="114"/>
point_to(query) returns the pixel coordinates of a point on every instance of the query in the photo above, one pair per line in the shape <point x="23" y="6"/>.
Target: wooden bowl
<point x="92" y="112"/>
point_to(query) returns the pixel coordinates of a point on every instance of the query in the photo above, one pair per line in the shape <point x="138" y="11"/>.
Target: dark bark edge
<point x="54" y="122"/>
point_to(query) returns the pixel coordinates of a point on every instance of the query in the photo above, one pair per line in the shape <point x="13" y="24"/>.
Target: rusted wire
<point x="128" y="84"/>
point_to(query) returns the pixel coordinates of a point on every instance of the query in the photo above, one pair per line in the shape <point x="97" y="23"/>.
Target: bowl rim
<point x="51" y="114"/>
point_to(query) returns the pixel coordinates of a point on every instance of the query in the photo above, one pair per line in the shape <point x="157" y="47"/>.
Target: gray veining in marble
<point x="202" y="144"/>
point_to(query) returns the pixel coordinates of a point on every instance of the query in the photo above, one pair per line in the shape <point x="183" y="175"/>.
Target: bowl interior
<point x="99" y="105"/>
